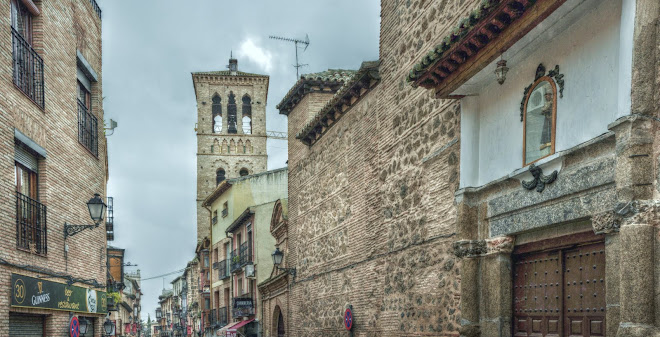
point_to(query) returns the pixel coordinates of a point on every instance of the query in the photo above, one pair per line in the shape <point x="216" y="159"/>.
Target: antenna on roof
<point x="295" y="41"/>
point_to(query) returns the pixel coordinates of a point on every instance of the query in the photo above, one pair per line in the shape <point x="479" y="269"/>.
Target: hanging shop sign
<point x="30" y="292"/>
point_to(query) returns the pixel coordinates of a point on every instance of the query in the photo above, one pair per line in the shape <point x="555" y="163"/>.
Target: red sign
<point x="74" y="327"/>
<point x="348" y="319"/>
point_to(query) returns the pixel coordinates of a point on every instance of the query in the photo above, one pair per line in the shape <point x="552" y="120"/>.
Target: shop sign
<point x="30" y="292"/>
<point x="245" y="302"/>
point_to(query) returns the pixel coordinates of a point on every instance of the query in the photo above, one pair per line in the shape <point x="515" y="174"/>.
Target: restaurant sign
<point x="30" y="292"/>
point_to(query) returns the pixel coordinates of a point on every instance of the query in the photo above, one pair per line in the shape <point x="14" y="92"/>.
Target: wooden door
<point x="560" y="292"/>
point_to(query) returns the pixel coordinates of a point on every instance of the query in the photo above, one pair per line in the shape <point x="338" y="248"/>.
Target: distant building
<point x="231" y="130"/>
<point x="241" y="248"/>
<point x="274" y="291"/>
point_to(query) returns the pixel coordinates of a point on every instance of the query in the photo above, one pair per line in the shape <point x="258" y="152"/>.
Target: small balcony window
<point x="28" y="73"/>
<point x="30" y="213"/>
<point x="87" y="122"/>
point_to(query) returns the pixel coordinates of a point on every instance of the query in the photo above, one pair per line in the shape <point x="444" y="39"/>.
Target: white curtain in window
<point x="217" y="124"/>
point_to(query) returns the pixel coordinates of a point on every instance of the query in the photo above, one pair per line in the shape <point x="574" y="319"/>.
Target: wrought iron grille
<point x="96" y="7"/>
<point x="87" y="129"/>
<point x="215" y="219"/>
<point x="223" y="269"/>
<point x="28" y="69"/>
<point x="222" y="316"/>
<point x="235" y="260"/>
<point x="246" y="253"/>
<point x="213" y="317"/>
<point x="109" y="221"/>
<point x="30" y="224"/>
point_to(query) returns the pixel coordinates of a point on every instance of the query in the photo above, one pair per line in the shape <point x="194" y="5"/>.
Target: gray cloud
<point x="150" y="47"/>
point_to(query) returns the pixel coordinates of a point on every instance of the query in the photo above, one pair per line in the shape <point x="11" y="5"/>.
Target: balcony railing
<point x="87" y="129"/>
<point x="215" y="220"/>
<point x="222" y="317"/>
<point x="96" y="7"/>
<point x="28" y="69"/>
<point x="213" y="317"/>
<point x="223" y="269"/>
<point x="30" y="224"/>
<point x="235" y="260"/>
<point x="246" y="253"/>
<point x="225" y="211"/>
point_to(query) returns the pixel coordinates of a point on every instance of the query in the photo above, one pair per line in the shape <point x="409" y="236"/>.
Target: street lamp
<point x="278" y="255"/>
<point x="83" y="324"/>
<point x="96" y="208"/>
<point x="109" y="327"/>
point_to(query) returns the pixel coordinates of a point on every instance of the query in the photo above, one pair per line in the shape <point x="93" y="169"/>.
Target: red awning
<point x="239" y="325"/>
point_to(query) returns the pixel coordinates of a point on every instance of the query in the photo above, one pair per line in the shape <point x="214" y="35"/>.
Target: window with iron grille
<point x="87" y="122"/>
<point x="28" y="75"/>
<point x="30" y="213"/>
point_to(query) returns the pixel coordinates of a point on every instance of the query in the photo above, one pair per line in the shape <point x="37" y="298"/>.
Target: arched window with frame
<point x="216" y="110"/>
<point x="539" y="120"/>
<point x="243" y="172"/>
<point x="231" y="113"/>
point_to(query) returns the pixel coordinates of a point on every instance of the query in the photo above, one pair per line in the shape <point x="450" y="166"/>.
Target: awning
<point x="239" y="325"/>
<point x="224" y="328"/>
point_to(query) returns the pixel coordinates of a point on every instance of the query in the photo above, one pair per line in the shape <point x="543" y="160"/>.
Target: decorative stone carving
<point x="500" y="245"/>
<point x="469" y="248"/>
<point x="475" y="248"/>
<point x="605" y="223"/>
<point x="540" y="180"/>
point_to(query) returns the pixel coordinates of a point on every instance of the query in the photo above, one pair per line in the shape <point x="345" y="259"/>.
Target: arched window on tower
<point x="243" y="172"/>
<point x="247" y="115"/>
<point x="219" y="176"/>
<point x="231" y="113"/>
<point x="216" y="110"/>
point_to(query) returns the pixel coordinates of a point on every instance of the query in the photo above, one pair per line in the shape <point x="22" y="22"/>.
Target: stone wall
<point x="371" y="202"/>
<point x="70" y="174"/>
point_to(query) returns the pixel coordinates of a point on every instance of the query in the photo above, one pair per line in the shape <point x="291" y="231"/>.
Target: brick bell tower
<point x="231" y="130"/>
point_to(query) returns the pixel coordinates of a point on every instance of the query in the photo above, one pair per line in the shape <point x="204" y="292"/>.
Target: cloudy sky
<point x="150" y="47"/>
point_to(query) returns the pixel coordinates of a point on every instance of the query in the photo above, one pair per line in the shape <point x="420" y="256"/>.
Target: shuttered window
<point x="26" y="325"/>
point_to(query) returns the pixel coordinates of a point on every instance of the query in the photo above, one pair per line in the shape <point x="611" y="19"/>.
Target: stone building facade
<point x="241" y="248"/>
<point x="373" y="168"/>
<point x="54" y="160"/>
<point x="275" y="289"/>
<point x="385" y="219"/>
<point x="557" y="216"/>
<point x="231" y="130"/>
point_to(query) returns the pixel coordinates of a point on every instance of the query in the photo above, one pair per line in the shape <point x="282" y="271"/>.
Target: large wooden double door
<point x="560" y="292"/>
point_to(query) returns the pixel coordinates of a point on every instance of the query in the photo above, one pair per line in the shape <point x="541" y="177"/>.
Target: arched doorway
<point x="278" y="323"/>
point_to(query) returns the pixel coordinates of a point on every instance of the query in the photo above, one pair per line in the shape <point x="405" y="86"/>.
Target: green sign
<point x="30" y="292"/>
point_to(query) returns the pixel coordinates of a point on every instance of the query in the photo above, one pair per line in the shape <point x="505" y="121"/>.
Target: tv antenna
<point x="295" y="41"/>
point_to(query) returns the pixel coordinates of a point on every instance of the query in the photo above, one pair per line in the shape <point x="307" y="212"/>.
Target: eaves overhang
<point x="239" y="220"/>
<point x="363" y="81"/>
<point x="476" y="41"/>
<point x="328" y="81"/>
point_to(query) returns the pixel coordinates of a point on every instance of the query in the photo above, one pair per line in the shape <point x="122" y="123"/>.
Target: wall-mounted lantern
<point x="96" y="208"/>
<point x="277" y="260"/>
<point x="109" y="327"/>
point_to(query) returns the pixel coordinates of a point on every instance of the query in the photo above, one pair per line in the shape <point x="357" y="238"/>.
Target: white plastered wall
<point x="591" y="41"/>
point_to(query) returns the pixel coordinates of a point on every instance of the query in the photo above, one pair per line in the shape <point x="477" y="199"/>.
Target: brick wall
<point x="371" y="203"/>
<point x="70" y="174"/>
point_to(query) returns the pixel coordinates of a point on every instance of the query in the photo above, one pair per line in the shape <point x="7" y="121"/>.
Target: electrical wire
<point x="162" y="275"/>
